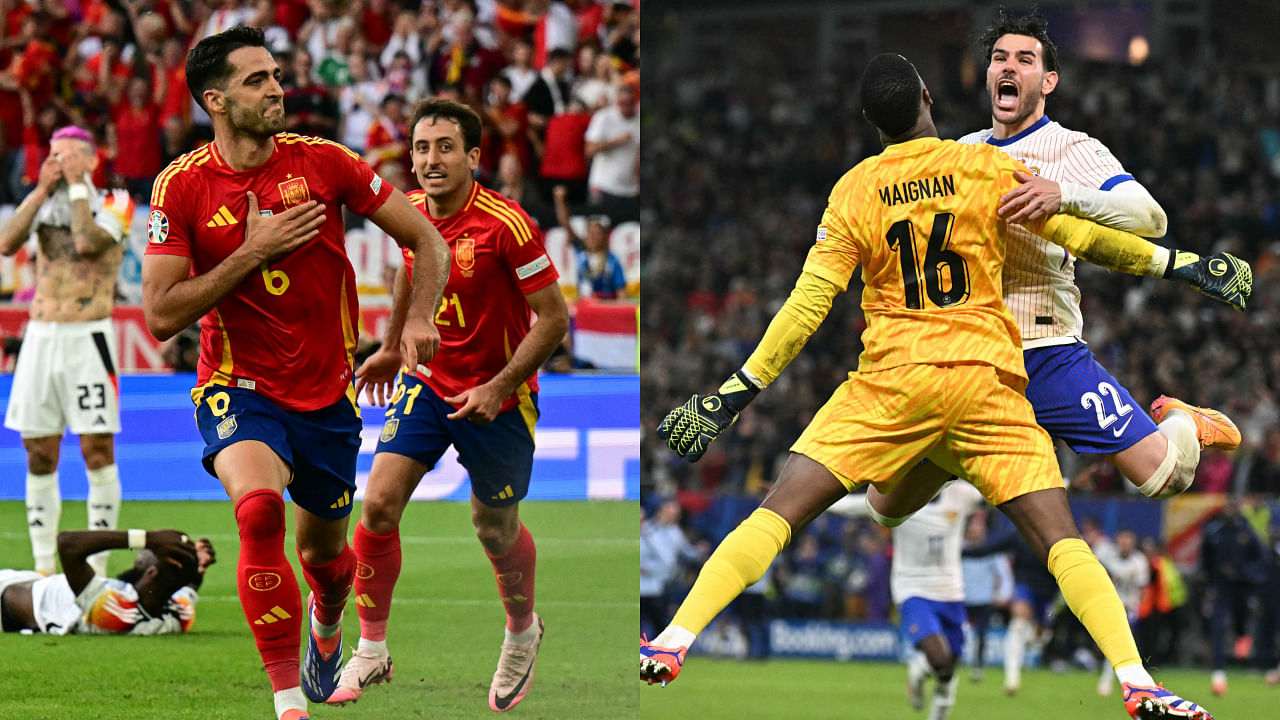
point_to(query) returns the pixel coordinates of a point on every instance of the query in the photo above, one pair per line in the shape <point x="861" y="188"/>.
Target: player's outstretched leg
<point x="511" y="550"/>
<point x="269" y="595"/>
<point x="804" y="489"/>
<point x="378" y="563"/>
<point x="1044" y="520"/>
<point x="330" y="584"/>
<point x="1214" y="429"/>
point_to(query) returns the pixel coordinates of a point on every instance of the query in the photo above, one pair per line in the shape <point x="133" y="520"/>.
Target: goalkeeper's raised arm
<point x="690" y="428"/>
<point x="1222" y="276"/>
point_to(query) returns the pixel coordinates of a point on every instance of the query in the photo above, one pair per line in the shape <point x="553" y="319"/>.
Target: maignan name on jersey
<point x="913" y="190"/>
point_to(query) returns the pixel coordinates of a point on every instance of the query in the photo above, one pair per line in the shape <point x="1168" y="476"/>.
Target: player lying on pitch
<point x="157" y="595"/>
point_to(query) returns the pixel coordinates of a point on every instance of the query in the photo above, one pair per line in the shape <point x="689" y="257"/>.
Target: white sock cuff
<point x="1135" y="674"/>
<point x="106" y="475"/>
<point x="1159" y="480"/>
<point x="883" y="520"/>
<point x="42" y="482"/>
<point x="377" y="647"/>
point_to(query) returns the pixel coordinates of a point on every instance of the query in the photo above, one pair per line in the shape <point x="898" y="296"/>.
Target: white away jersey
<point x="1039" y="277"/>
<point x="106" y="606"/>
<point x="926" y="548"/>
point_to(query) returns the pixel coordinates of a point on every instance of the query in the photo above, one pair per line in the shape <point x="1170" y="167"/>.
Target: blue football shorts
<point x="922" y="618"/>
<point x="1078" y="401"/>
<point x="498" y="456"/>
<point x="320" y="445"/>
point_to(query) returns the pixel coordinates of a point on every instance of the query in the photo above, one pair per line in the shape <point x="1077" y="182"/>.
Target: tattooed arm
<point x="15" y="232"/>
<point x="90" y="240"/>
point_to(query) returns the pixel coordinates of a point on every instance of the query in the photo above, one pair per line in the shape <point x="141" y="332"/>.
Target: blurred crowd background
<point x="556" y="83"/>
<point x="740" y="157"/>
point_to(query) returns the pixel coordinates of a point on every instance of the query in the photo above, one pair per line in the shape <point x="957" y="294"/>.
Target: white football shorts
<point x="65" y="378"/>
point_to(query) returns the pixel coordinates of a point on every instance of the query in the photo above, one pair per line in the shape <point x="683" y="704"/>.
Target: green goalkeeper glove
<point x="690" y="428"/>
<point x="1221" y="276"/>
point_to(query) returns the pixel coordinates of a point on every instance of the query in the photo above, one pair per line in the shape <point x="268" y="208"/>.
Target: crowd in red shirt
<point x="535" y="70"/>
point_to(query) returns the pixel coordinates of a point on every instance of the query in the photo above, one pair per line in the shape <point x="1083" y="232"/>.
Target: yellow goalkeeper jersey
<point x="920" y="218"/>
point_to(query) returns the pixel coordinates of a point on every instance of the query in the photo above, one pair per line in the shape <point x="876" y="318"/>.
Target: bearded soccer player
<point x="1074" y="397"/>
<point x="941" y="369"/>
<point x="480" y="394"/>
<point x="245" y="235"/>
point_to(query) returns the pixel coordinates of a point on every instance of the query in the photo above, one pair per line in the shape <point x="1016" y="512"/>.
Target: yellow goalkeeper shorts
<point x="972" y="420"/>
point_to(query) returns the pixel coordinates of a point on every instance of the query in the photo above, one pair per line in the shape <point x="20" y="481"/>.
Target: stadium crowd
<point x="555" y="81"/>
<point x="738" y="175"/>
<point x="728" y="149"/>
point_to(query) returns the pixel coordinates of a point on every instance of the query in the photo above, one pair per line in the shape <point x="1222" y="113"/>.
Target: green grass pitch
<point x="444" y="633"/>
<point x="710" y="689"/>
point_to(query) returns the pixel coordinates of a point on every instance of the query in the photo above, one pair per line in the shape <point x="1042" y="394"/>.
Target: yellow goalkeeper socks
<point x="1093" y="599"/>
<point x="739" y="561"/>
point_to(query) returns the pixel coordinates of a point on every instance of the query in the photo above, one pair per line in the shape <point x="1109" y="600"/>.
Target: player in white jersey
<point x="1130" y="570"/>
<point x="1074" y="397"/>
<point x="155" y="596"/>
<point x="927" y="584"/>
<point x="66" y="371"/>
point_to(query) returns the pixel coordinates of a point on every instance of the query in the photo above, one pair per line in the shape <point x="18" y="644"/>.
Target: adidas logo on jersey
<point x="222" y="218"/>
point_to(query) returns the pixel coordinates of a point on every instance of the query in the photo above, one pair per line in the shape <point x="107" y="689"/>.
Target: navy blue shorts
<point x="1078" y="401"/>
<point x="320" y="446"/>
<point x="922" y="618"/>
<point x="498" y="456"/>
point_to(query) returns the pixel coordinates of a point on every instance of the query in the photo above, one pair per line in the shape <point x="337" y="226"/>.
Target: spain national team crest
<point x="294" y="191"/>
<point x="227" y="428"/>
<point x="389" y="430"/>
<point x="464" y="253"/>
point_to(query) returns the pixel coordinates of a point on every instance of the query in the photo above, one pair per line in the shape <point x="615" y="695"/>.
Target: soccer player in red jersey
<point x="246" y="235"/>
<point x="479" y="394"/>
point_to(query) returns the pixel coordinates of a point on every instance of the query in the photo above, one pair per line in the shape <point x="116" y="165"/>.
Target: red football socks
<point x="377" y="569"/>
<point x="331" y="583"/>
<point x="267" y="586"/>
<point x="514" y="571"/>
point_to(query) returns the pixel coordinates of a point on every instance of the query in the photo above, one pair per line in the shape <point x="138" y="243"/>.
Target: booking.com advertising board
<point x="588" y="445"/>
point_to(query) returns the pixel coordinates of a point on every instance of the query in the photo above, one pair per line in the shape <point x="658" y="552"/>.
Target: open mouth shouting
<point x="1006" y="95"/>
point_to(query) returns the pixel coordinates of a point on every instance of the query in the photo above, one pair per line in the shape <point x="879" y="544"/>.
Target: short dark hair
<point x="467" y="119"/>
<point x="1032" y="25"/>
<point x="891" y="93"/>
<point x="207" y="65"/>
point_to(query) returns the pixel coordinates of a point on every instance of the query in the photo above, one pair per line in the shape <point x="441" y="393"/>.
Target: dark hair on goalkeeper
<point x="1032" y="24"/>
<point x="467" y="119"/>
<point x="891" y="94"/>
<point x="207" y="65"/>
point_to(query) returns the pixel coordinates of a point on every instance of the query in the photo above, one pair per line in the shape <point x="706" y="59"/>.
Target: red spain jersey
<point x="497" y="258"/>
<point x="288" y="331"/>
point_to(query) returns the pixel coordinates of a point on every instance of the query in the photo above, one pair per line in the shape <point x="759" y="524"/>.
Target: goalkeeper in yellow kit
<point x="941" y="376"/>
